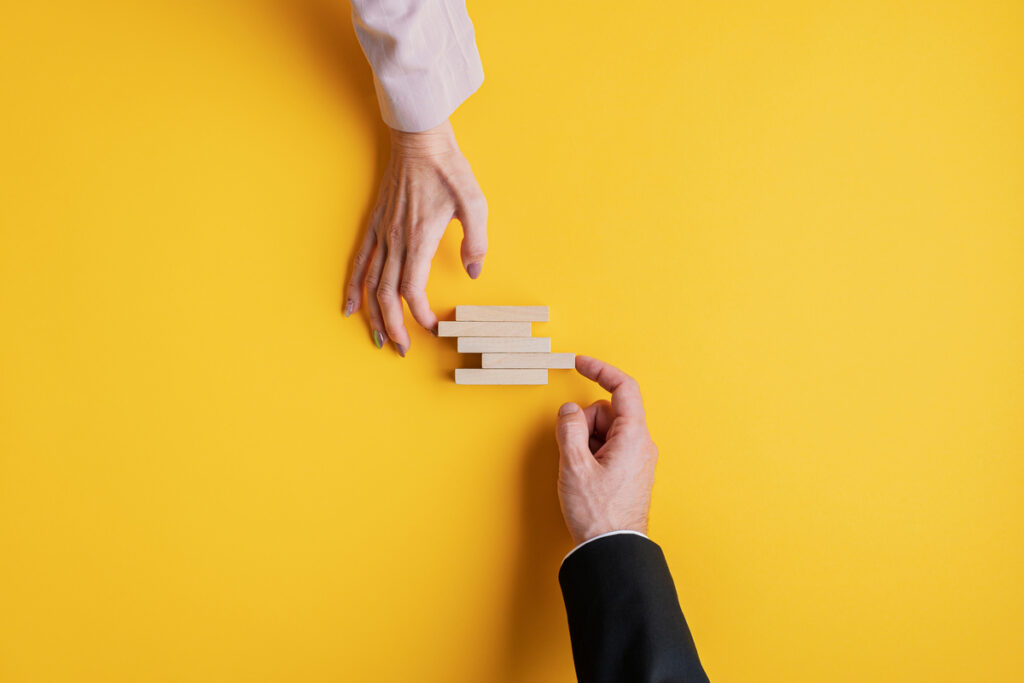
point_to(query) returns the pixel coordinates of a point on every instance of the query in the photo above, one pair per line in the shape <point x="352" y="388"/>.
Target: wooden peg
<point x="555" y="361"/>
<point x="504" y="344"/>
<point x="501" y="376"/>
<point x="451" y="328"/>
<point x="502" y="313"/>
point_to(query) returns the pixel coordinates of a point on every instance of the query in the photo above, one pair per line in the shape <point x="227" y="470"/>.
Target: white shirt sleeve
<point x="424" y="58"/>
<point x="609" y="533"/>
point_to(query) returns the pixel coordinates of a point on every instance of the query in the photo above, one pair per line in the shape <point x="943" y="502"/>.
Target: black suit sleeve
<point x="625" y="622"/>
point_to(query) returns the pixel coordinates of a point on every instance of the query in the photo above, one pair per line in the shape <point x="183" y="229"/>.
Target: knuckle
<point x="570" y="431"/>
<point x="636" y="427"/>
<point x="393" y="234"/>
<point x="476" y="203"/>
<point x="386" y="290"/>
<point x="409" y="290"/>
<point x="629" y="423"/>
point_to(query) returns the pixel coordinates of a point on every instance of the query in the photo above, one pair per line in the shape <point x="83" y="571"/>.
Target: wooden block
<point x="555" y="361"/>
<point x="451" y="328"/>
<point x="502" y="313"/>
<point x="504" y="344"/>
<point x="481" y="376"/>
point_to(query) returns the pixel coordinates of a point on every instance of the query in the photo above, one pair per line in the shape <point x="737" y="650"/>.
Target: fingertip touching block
<point x="537" y="314"/>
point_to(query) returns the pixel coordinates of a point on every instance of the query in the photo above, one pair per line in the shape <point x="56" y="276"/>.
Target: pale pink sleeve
<point x="424" y="58"/>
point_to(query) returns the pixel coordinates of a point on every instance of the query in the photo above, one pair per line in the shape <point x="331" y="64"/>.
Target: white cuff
<point x="424" y="58"/>
<point x="607" y="533"/>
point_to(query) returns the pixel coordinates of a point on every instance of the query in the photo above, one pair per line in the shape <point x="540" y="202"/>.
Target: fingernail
<point x="568" y="409"/>
<point x="474" y="269"/>
<point x="401" y="350"/>
<point x="378" y="339"/>
<point x="433" y="330"/>
<point x="349" y="307"/>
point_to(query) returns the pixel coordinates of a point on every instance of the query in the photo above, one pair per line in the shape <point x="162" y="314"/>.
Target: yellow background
<point x="800" y="225"/>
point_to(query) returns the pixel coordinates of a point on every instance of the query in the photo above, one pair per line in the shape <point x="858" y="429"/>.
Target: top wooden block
<point x="537" y="314"/>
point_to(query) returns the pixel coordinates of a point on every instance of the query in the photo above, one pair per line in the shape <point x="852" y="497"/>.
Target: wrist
<point x="431" y="142"/>
<point x="595" y="530"/>
<point x="604" y="535"/>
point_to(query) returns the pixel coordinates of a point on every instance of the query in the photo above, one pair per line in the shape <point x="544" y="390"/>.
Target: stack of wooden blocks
<point x="501" y="334"/>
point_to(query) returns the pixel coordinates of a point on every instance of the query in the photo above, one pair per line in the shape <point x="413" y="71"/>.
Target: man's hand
<point x="607" y="458"/>
<point x="427" y="183"/>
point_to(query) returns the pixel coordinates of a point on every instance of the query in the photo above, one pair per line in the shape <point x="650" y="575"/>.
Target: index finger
<point x="414" y="284"/>
<point x="626" y="398"/>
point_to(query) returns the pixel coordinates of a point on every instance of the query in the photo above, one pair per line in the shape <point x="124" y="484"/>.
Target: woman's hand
<point x="607" y="457"/>
<point x="427" y="183"/>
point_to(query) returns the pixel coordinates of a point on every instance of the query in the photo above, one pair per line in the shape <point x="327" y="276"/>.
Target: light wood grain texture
<point x="500" y="376"/>
<point x="504" y="344"/>
<point x="554" y="361"/>
<point x="451" y="328"/>
<point x="502" y="313"/>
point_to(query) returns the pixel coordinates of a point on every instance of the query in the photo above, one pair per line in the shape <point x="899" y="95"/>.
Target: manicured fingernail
<point x="401" y="350"/>
<point x="474" y="269"/>
<point x="378" y="339"/>
<point x="350" y="306"/>
<point x="568" y="409"/>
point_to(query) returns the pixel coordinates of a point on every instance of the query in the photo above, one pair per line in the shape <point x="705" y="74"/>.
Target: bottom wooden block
<point x="500" y="376"/>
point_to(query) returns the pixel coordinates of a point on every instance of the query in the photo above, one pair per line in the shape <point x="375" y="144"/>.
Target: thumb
<point x="473" y="216"/>
<point x="573" y="434"/>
